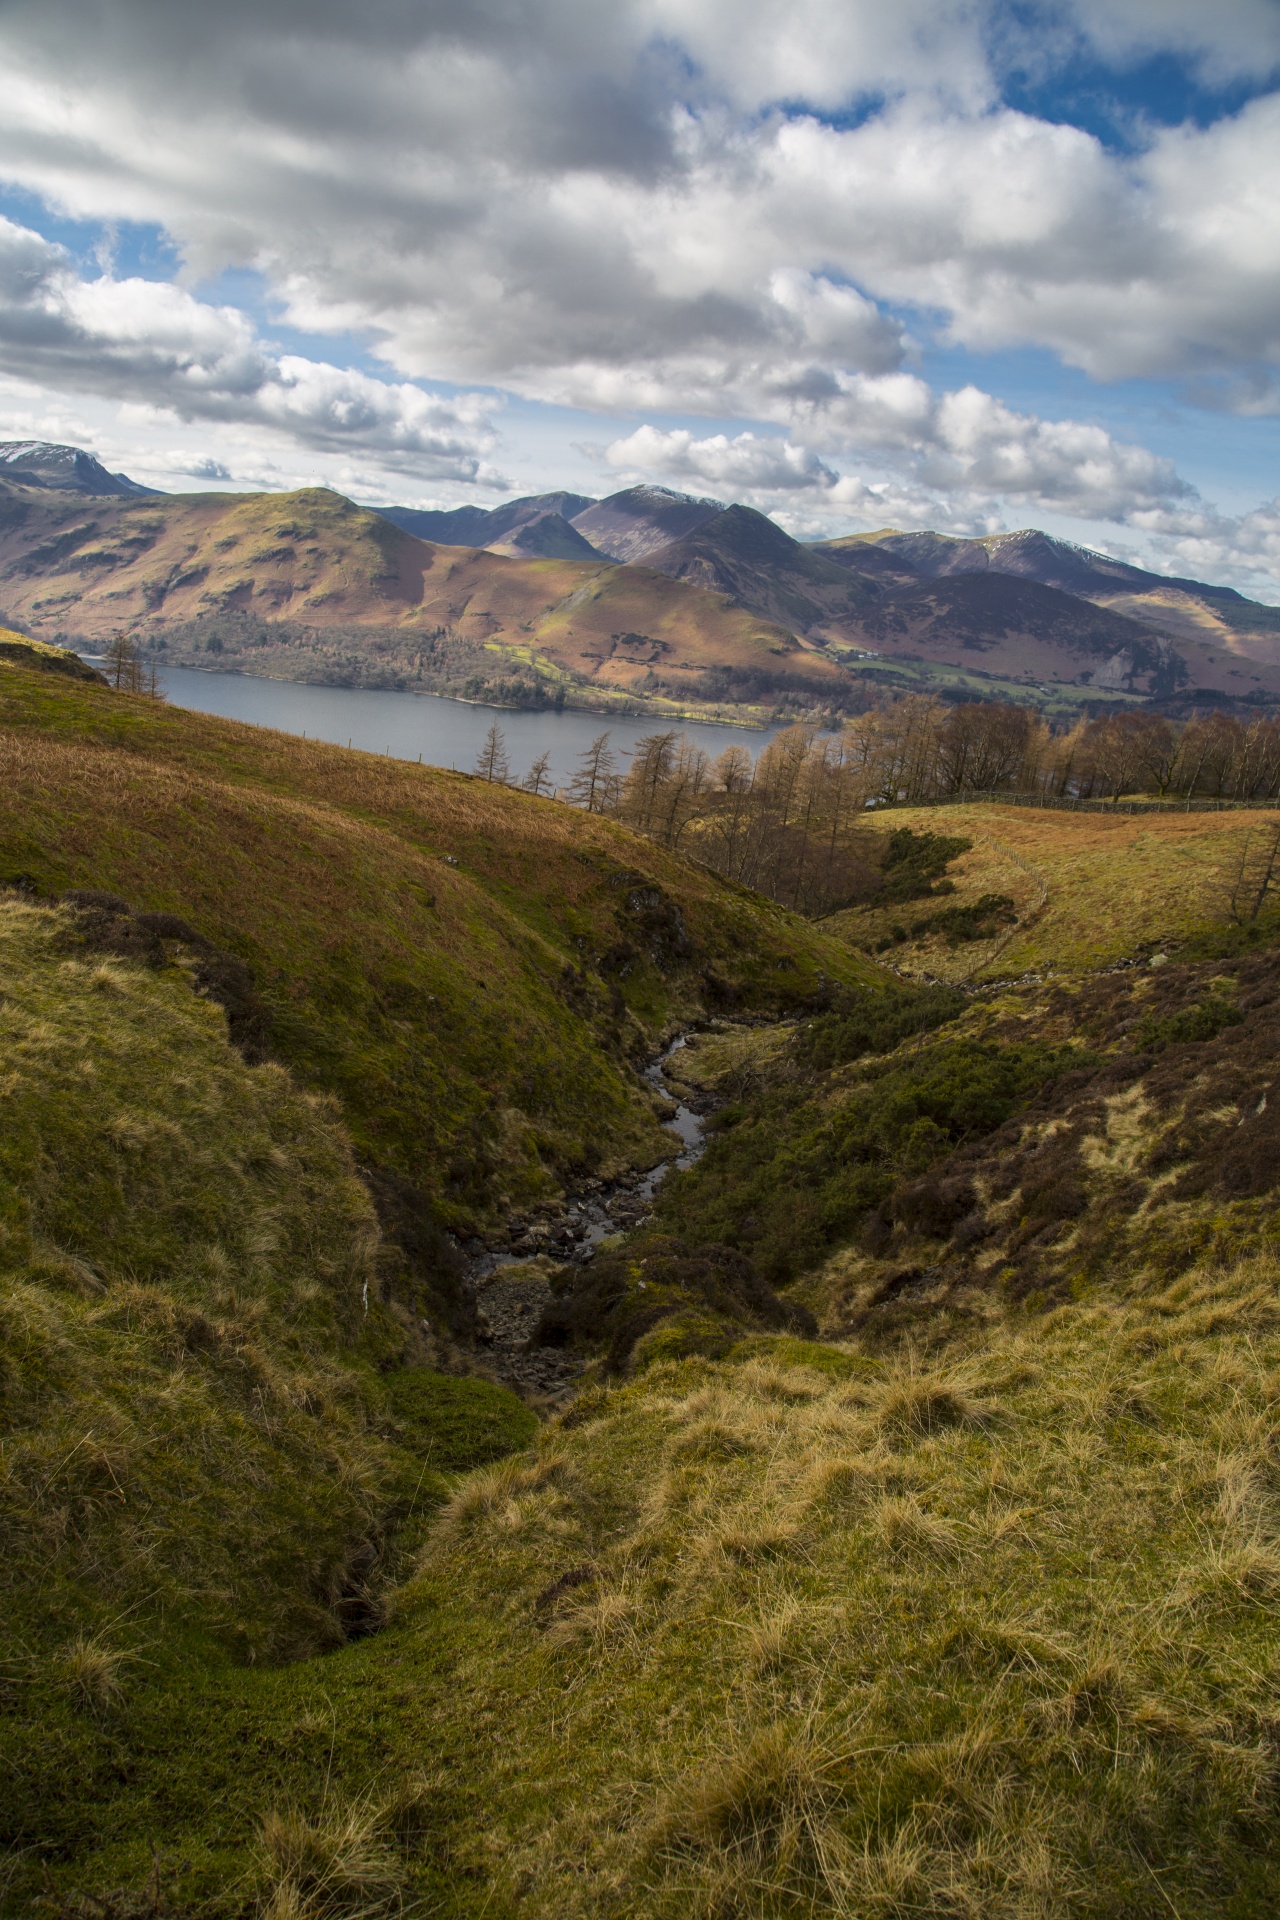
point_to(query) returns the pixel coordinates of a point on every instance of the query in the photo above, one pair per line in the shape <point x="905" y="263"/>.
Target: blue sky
<point x="956" y="264"/>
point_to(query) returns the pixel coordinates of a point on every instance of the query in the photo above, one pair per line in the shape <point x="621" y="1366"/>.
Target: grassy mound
<point x="203" y="1456"/>
<point x="188" y="1352"/>
<point x="26" y="652"/>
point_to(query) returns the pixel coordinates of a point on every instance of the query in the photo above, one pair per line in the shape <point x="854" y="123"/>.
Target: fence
<point x="1064" y="804"/>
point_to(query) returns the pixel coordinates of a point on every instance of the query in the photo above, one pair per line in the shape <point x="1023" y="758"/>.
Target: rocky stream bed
<point x="512" y="1285"/>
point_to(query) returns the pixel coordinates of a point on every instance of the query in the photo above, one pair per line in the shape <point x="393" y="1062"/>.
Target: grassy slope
<point x="991" y="1635"/>
<point x="202" y="1454"/>
<point x="324" y="566"/>
<point x="1089" y="887"/>
<point x="185" y="1246"/>
<point x="972" y="1612"/>
<point x="430" y="997"/>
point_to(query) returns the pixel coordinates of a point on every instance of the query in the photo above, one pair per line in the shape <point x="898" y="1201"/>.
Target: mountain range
<point x="1018" y="606"/>
<point x="643" y="592"/>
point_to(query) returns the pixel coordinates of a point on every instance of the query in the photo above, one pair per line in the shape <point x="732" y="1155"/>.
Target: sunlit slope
<point x="802" y="1633"/>
<point x="311" y="561"/>
<point x="1088" y="888"/>
<point x="471" y="971"/>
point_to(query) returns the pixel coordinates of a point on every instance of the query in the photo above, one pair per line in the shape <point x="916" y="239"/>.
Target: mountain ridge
<point x="697" y="587"/>
<point x="66" y="469"/>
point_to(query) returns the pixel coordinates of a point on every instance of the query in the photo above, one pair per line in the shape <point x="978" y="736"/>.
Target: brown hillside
<point x="314" y="564"/>
<point x="1021" y="630"/>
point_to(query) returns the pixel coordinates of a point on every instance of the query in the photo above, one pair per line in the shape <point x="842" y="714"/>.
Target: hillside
<point x="43" y="463"/>
<point x="647" y="595"/>
<point x="1017" y="628"/>
<point x="308" y="586"/>
<point x="633" y="524"/>
<point x="470" y="972"/>
<point x="487" y="526"/>
<point x="1019" y="609"/>
<point x="963" y="1601"/>
<point x="744" y="554"/>
<point x="1218" y="628"/>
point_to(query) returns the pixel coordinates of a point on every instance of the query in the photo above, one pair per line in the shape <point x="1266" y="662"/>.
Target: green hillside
<point x="909" y="1540"/>
<point x="432" y="950"/>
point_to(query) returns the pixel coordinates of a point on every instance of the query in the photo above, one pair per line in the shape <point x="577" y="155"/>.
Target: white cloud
<point x="746" y="464"/>
<point x="964" y="443"/>
<point x="154" y="343"/>
<point x="636" y="209"/>
<point x="562" y="197"/>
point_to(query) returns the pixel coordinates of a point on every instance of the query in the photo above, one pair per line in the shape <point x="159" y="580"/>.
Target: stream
<point x="510" y="1284"/>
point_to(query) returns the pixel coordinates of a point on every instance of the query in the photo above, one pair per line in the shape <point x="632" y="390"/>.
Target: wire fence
<point x="1061" y="803"/>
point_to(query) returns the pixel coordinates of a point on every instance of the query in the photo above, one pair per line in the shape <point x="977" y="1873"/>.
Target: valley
<point x="413" y="1504"/>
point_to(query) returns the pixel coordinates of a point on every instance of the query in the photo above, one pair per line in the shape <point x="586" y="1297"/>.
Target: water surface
<point x="412" y="726"/>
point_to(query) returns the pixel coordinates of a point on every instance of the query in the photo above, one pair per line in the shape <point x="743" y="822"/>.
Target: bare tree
<point x="124" y="664"/>
<point x="538" y="777"/>
<point x="652" y="761"/>
<point x="492" y="764"/>
<point x="593" y="786"/>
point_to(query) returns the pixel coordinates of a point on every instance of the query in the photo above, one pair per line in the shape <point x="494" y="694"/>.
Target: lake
<point x="445" y="733"/>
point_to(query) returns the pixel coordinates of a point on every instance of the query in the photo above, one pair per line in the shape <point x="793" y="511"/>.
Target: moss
<point x="685" y="1334"/>
<point x="457" y="1423"/>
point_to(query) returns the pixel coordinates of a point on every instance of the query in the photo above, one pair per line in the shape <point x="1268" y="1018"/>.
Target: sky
<point x="963" y="264"/>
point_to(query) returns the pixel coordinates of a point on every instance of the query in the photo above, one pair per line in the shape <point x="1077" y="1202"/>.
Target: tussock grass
<point x="978" y="1634"/>
<point x="335" y="1866"/>
<point x="93" y="1671"/>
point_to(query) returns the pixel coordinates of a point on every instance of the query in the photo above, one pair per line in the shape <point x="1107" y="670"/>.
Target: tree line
<point x="792" y="820"/>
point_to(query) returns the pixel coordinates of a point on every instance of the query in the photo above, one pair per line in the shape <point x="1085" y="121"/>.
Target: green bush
<point x="801" y="1171"/>
<point x="979" y="920"/>
<point x="915" y="864"/>
<point x="874" y="1023"/>
<point x="1203" y="1021"/>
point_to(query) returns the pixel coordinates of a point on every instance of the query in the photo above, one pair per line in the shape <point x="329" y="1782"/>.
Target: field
<point x="1088" y="888"/>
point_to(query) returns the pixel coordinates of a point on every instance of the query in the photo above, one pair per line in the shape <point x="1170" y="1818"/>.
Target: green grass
<point x="426" y="945"/>
<point x="207" y="1451"/>
<point x="990" y="1634"/>
<point x="971" y="1608"/>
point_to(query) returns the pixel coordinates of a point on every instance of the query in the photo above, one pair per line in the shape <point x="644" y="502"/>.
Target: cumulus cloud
<point x="710" y="207"/>
<point x="561" y="197"/>
<point x="154" y="343"/>
<point x="746" y="464"/>
<point x="964" y="443"/>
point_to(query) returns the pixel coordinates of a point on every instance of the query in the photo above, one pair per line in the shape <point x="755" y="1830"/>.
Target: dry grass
<point x="1089" y="888"/>
<point x="336" y="1866"/>
<point x="962" y="1636"/>
<point x="93" y="1671"/>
